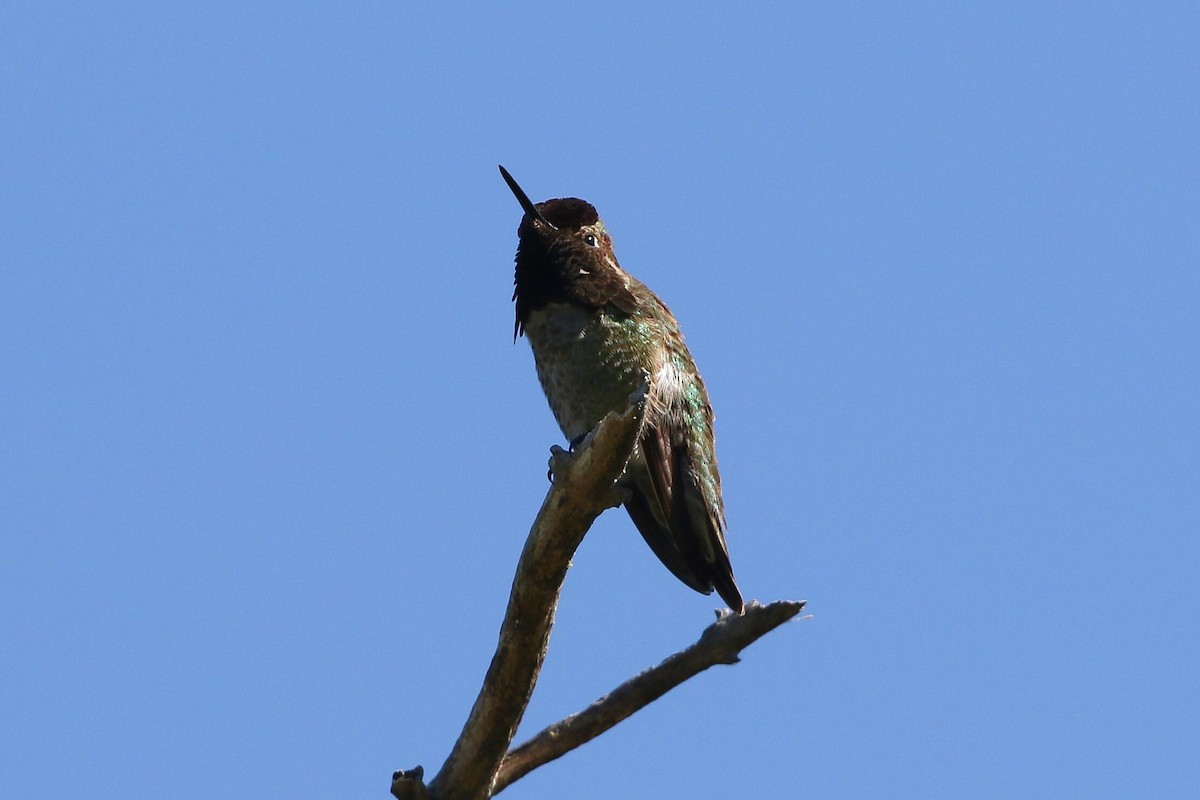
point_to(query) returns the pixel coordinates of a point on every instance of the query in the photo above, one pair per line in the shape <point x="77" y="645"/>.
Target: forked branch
<point x="584" y="486"/>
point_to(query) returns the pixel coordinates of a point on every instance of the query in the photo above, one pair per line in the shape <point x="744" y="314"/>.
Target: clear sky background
<point x="270" y="453"/>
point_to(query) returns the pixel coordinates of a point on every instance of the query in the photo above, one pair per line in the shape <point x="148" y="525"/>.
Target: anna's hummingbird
<point x="598" y="335"/>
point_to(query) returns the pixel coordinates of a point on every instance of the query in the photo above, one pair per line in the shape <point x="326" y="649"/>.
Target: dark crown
<point x="569" y="213"/>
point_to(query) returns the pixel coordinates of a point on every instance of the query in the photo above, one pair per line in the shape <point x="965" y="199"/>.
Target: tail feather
<point x="683" y="528"/>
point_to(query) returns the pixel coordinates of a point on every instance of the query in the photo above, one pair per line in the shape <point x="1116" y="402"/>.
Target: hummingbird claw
<point x="559" y="459"/>
<point x="642" y="391"/>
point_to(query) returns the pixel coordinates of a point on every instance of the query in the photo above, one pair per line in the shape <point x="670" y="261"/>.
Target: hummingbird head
<point x="564" y="254"/>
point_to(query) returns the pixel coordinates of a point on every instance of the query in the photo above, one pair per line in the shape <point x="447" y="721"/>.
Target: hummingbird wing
<point x="684" y="527"/>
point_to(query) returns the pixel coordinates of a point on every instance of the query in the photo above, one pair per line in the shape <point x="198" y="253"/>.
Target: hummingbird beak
<point x="524" y="200"/>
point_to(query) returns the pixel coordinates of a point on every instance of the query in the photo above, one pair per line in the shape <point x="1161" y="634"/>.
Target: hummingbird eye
<point x="589" y="240"/>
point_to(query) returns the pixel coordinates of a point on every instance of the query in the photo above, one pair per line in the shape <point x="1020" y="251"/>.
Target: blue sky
<point x="271" y="453"/>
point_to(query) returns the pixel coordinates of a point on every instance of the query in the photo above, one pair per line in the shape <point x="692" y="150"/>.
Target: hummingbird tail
<point x="684" y="530"/>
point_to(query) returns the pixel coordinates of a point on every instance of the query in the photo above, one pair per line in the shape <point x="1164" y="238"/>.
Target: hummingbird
<point x="598" y="335"/>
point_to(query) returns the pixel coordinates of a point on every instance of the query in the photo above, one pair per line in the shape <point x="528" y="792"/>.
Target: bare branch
<point x="583" y="488"/>
<point x="720" y="643"/>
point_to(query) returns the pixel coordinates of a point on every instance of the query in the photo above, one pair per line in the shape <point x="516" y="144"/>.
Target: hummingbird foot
<point x="560" y="460"/>
<point x="640" y="394"/>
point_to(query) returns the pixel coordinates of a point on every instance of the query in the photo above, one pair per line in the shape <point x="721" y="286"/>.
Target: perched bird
<point x="598" y="335"/>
